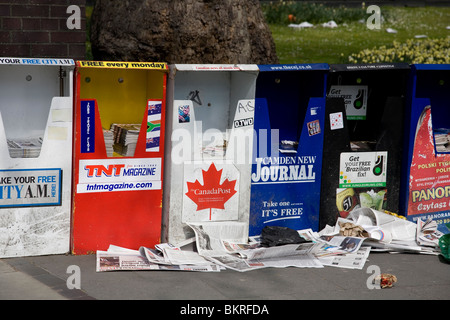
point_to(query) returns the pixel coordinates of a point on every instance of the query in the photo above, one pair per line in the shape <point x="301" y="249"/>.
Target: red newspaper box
<point x="118" y="154"/>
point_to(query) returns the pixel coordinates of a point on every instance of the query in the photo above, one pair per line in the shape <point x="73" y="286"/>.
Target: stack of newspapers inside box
<point x="108" y="135"/>
<point x="125" y="138"/>
<point x="25" y="148"/>
<point x="442" y="140"/>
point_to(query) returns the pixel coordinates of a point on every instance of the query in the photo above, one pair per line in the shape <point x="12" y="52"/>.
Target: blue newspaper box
<point x="426" y="191"/>
<point x="287" y="149"/>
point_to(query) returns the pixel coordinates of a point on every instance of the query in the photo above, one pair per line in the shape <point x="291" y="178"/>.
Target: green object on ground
<point x="444" y="244"/>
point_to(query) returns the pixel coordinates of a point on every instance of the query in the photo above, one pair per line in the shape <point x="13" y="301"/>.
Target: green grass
<point x="318" y="44"/>
<point x="278" y="12"/>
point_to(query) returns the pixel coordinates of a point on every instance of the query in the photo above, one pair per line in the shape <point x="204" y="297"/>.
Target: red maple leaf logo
<point x="211" y="194"/>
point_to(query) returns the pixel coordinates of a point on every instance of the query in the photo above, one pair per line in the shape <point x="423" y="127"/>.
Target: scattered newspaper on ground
<point x="123" y="259"/>
<point x="354" y="260"/>
<point x="225" y="245"/>
<point x="388" y="233"/>
<point x="427" y="233"/>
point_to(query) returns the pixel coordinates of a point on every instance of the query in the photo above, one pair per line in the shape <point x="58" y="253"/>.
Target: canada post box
<point x="118" y="154"/>
<point x="287" y="151"/>
<point x="209" y="142"/>
<point x="36" y="106"/>
<point x="426" y="192"/>
<point x="363" y="142"/>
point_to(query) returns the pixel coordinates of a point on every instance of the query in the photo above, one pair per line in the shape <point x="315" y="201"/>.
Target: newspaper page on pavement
<point x="385" y="232"/>
<point x="211" y="237"/>
<point x="427" y="233"/>
<point x="123" y="259"/>
<point x="334" y="250"/>
<point x="224" y="243"/>
<point x="397" y="229"/>
<point x="355" y="260"/>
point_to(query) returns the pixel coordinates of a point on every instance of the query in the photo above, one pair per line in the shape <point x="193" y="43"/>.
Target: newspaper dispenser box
<point x="208" y="164"/>
<point x="287" y="156"/>
<point x="36" y="105"/>
<point x="363" y="140"/>
<point x="425" y="192"/>
<point x="118" y="154"/>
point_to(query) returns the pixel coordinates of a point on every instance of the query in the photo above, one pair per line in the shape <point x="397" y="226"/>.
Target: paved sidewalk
<point x="420" y="277"/>
<point x="21" y="286"/>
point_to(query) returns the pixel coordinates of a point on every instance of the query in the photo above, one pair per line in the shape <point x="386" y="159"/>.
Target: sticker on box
<point x="336" y="121"/>
<point x="153" y="126"/>
<point x="355" y="100"/>
<point x="30" y="187"/>
<point x="313" y="127"/>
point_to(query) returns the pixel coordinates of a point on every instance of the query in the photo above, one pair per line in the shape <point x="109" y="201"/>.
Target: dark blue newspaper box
<point x="287" y="155"/>
<point x="426" y="179"/>
<point x="363" y="138"/>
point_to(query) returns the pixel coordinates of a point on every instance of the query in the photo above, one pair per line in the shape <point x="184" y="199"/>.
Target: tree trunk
<point x="174" y="31"/>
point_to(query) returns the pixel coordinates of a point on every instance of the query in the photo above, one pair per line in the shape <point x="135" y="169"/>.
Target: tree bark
<point x="174" y="31"/>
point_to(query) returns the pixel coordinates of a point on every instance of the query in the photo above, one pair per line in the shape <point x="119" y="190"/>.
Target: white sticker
<point x="363" y="169"/>
<point x="336" y="121"/>
<point x="119" y="175"/>
<point x="355" y="99"/>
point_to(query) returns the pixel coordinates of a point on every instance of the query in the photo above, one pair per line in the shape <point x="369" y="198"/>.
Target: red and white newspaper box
<point x="118" y="154"/>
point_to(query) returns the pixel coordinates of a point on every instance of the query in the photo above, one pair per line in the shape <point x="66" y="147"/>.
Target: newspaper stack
<point x="288" y="146"/>
<point x="25" y="148"/>
<point x="442" y="142"/>
<point x="108" y="135"/>
<point x="125" y="138"/>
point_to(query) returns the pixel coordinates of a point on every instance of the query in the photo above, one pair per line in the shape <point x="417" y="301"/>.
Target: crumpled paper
<point x="386" y="280"/>
<point x="349" y="229"/>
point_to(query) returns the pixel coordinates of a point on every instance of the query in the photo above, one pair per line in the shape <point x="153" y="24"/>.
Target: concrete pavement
<point x="420" y="277"/>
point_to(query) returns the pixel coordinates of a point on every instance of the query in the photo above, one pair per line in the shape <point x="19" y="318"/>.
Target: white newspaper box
<point x="210" y="112"/>
<point x="36" y="105"/>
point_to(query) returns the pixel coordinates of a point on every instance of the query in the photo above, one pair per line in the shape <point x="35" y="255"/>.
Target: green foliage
<point x="411" y="51"/>
<point x="278" y="12"/>
<point x="319" y="44"/>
